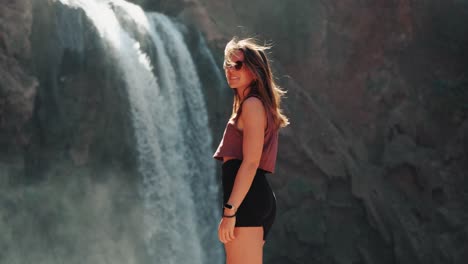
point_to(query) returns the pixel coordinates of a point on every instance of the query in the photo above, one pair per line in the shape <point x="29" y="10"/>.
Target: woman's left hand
<point x="226" y="229"/>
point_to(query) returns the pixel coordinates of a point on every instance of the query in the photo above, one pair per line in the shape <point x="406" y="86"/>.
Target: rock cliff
<point x="18" y="86"/>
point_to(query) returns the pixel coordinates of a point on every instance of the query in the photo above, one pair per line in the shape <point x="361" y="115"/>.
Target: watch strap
<point x="229" y="206"/>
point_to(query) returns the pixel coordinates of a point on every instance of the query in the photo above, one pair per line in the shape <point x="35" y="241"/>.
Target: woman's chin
<point x="236" y="85"/>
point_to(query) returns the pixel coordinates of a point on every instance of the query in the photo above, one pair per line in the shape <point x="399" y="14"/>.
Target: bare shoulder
<point x="253" y="112"/>
<point x="253" y="105"/>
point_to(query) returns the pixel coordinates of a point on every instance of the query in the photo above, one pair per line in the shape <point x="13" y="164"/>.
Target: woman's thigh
<point x="247" y="247"/>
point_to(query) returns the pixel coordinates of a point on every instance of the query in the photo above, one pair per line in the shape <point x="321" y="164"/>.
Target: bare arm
<point x="254" y="121"/>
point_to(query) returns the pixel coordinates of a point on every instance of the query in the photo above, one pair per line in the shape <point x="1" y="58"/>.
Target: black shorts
<point x="259" y="205"/>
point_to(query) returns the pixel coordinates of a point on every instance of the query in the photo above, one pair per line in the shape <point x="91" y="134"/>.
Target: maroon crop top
<point x="231" y="143"/>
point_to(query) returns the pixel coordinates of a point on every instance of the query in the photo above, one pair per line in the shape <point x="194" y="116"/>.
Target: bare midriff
<point x="228" y="158"/>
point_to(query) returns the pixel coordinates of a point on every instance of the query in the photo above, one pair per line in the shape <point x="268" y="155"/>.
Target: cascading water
<point x="173" y="141"/>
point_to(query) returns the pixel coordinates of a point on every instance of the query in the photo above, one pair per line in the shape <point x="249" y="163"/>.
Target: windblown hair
<point x="264" y="84"/>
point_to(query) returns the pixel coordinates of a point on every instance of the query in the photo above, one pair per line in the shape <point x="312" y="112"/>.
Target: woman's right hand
<point x="226" y="229"/>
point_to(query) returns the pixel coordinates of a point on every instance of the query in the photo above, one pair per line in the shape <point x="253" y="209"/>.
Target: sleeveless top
<point x="231" y="143"/>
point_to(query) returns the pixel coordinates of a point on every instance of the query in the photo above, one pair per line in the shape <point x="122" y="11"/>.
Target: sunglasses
<point x="237" y="65"/>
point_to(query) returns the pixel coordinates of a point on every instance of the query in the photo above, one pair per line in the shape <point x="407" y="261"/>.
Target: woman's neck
<point x="243" y="93"/>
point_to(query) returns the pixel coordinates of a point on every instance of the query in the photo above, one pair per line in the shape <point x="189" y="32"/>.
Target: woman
<point x="248" y="151"/>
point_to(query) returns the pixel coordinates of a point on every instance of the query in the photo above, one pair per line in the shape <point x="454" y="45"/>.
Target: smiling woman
<point x="248" y="150"/>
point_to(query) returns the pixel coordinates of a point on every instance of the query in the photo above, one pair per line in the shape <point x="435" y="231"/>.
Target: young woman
<point x="248" y="150"/>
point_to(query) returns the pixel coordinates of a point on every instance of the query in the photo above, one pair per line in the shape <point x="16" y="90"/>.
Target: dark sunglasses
<point x="237" y="65"/>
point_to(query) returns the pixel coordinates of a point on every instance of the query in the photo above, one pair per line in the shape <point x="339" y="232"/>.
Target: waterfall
<point x="170" y="120"/>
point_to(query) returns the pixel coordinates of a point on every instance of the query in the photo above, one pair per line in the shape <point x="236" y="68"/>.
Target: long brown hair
<point x="264" y="84"/>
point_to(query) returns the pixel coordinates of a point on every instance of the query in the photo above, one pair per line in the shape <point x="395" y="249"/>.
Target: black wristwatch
<point x="229" y="206"/>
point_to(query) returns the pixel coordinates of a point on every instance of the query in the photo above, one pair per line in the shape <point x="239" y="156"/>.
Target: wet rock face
<point x="18" y="86"/>
<point x="71" y="115"/>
